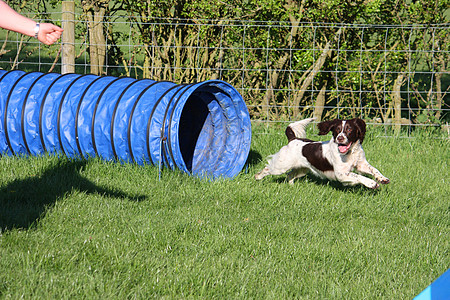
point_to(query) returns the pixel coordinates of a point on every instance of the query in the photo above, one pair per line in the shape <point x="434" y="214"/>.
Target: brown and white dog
<point x="335" y="159"/>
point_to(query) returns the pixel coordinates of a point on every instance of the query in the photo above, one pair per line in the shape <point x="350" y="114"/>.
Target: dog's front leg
<point x="366" y="168"/>
<point x="351" y="178"/>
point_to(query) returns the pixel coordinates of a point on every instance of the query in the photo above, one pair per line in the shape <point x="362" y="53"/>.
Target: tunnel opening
<point x="192" y="123"/>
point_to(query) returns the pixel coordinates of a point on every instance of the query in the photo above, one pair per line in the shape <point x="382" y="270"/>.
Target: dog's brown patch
<point x="313" y="153"/>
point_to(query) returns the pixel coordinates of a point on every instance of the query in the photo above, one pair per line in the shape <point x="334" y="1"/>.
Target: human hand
<point x="49" y="33"/>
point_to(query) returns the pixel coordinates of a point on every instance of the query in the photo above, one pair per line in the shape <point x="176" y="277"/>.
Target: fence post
<point x="68" y="37"/>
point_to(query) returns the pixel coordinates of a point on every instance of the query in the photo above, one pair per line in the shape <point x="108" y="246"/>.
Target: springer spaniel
<point x="334" y="159"/>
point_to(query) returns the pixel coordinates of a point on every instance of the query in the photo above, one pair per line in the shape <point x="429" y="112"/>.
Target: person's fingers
<point x="47" y="39"/>
<point x="55" y="28"/>
<point x="58" y="29"/>
<point x="54" y="35"/>
<point x="53" y="38"/>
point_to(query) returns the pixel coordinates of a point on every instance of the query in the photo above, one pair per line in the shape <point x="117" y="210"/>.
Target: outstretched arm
<point x="12" y="20"/>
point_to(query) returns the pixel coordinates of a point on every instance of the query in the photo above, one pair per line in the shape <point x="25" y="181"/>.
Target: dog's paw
<point x="262" y="174"/>
<point x="384" y="180"/>
<point x="372" y="184"/>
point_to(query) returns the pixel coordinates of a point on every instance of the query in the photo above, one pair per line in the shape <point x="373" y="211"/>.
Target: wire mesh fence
<point x="387" y="74"/>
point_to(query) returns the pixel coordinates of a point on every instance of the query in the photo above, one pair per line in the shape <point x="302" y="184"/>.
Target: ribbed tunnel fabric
<point x="202" y="129"/>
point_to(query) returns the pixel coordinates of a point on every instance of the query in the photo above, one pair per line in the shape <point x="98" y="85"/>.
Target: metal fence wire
<point x="387" y="74"/>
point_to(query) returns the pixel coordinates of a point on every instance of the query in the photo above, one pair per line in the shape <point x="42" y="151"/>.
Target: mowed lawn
<point x="96" y="230"/>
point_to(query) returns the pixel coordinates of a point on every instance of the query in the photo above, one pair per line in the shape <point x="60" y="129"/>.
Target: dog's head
<point x="345" y="132"/>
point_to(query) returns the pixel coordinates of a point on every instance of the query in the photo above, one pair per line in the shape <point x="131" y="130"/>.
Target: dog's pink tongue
<point x="344" y="148"/>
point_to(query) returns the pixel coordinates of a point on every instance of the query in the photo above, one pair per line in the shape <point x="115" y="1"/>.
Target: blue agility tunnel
<point x="202" y="129"/>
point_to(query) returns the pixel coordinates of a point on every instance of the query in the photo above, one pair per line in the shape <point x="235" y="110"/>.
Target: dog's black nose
<point x="340" y="139"/>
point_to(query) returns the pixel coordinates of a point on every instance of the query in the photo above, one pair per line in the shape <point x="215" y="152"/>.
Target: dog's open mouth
<point x="344" y="148"/>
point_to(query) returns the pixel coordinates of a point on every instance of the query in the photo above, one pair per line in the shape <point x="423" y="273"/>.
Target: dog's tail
<point x="297" y="130"/>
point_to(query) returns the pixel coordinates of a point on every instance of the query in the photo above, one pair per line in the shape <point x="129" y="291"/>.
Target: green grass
<point x="89" y="229"/>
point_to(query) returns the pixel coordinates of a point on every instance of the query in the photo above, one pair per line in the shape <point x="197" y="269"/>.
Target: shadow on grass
<point x="24" y="201"/>
<point x="336" y="185"/>
<point x="254" y="157"/>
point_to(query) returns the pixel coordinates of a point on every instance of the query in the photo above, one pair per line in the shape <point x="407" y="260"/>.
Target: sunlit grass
<point x="92" y="229"/>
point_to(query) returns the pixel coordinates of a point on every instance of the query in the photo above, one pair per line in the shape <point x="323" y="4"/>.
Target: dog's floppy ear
<point x="360" y="128"/>
<point x="326" y="126"/>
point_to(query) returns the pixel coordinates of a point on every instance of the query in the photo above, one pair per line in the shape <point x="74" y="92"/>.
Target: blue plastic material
<point x="438" y="289"/>
<point x="203" y="129"/>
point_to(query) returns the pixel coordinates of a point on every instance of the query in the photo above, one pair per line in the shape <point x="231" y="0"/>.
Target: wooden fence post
<point x="68" y="37"/>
